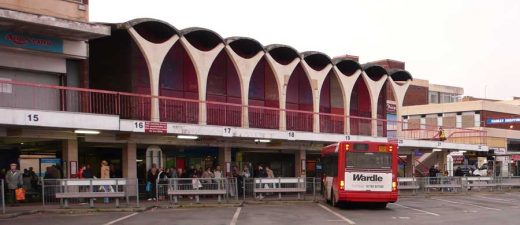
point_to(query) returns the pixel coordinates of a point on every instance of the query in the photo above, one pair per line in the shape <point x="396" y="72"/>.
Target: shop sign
<point x="515" y="157"/>
<point x="503" y="120"/>
<point x="458" y="159"/>
<point x="391" y="108"/>
<point x="30" y="41"/>
<point x="155" y="127"/>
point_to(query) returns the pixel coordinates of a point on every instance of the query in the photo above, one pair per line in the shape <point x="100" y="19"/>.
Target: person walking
<point x="105" y="174"/>
<point x="14" y="180"/>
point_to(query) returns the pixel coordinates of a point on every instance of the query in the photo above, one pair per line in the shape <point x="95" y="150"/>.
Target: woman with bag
<point x="105" y="174"/>
<point x="14" y="181"/>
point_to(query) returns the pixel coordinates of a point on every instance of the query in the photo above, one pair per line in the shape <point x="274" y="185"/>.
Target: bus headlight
<point x="394" y="185"/>
<point x="342" y="184"/>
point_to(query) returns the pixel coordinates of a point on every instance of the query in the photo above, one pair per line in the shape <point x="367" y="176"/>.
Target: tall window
<point x="433" y="97"/>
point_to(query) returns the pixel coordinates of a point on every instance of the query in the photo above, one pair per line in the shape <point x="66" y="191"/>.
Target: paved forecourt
<point x="482" y="208"/>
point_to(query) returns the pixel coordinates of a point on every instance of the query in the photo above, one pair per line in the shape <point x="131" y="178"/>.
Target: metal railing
<point x="279" y="185"/>
<point x="86" y="191"/>
<point x="193" y="188"/>
<point x="456" y="184"/>
<point x="182" y="110"/>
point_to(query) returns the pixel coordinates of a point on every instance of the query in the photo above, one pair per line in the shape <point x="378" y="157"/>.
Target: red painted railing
<point x="14" y="94"/>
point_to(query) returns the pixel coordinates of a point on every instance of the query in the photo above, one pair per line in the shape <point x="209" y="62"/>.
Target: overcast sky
<point x="471" y="44"/>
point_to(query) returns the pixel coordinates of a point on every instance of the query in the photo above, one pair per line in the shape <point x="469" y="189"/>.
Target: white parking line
<point x="235" y="216"/>
<point x="418" y="210"/>
<point x="497" y="199"/>
<point x="465" y="203"/>
<point x="120" y="219"/>
<point x="337" y="214"/>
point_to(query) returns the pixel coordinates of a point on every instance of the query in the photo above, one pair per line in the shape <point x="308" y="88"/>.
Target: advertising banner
<point x="363" y="181"/>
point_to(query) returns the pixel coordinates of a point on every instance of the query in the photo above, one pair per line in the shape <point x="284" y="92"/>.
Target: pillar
<point x="70" y="154"/>
<point x="154" y="155"/>
<point x="409" y="167"/>
<point x="300" y="163"/>
<point x="224" y="158"/>
<point x="129" y="162"/>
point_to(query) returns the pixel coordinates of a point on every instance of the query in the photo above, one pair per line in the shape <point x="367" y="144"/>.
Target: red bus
<point x="355" y="172"/>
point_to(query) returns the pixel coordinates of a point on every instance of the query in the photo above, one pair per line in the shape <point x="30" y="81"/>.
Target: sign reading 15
<point x="33" y="117"/>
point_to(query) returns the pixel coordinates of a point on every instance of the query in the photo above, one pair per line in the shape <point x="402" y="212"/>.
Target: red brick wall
<point x="484" y="115"/>
<point x="416" y="95"/>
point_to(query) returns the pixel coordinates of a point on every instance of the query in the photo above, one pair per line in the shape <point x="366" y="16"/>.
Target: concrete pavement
<point x="482" y="208"/>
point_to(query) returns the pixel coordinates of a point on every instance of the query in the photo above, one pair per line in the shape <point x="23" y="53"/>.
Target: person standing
<point x="105" y="174"/>
<point x="151" y="182"/>
<point x="260" y="174"/>
<point x="14" y="180"/>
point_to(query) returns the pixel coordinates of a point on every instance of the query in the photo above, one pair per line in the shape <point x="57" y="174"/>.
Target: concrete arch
<point x="375" y="72"/>
<point x="222" y="80"/>
<point x="154" y="51"/>
<point x="178" y="79"/>
<point x="277" y="57"/>
<point x="375" y="77"/>
<point x="399" y="82"/>
<point x="331" y="101"/>
<point x="202" y="55"/>
<point x="282" y="54"/>
<point x="349" y="72"/>
<point x="361" y="105"/>
<point x="263" y="91"/>
<point x="300" y="97"/>
<point x="201" y="38"/>
<point x="317" y="66"/>
<point x="152" y="30"/>
<point x="244" y="47"/>
<point x="346" y="65"/>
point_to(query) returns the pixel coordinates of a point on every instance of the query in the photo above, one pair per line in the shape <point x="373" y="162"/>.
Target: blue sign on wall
<point x="502" y="120"/>
<point x="53" y="161"/>
<point x="30" y="41"/>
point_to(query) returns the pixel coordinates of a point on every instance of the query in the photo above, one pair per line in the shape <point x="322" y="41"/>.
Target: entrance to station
<point x="176" y="157"/>
<point x="93" y="155"/>
<point x="36" y="153"/>
<point x="282" y="164"/>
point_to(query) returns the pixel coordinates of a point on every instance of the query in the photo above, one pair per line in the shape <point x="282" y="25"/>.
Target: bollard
<point x="314" y="188"/>
<point x="43" y="192"/>
<point x="3" y="196"/>
<point x="137" y="192"/>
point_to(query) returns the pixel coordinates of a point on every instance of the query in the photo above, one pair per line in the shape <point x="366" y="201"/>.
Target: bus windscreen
<point x="368" y="160"/>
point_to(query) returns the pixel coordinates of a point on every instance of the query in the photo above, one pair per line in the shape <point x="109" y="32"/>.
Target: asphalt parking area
<point x="485" y="208"/>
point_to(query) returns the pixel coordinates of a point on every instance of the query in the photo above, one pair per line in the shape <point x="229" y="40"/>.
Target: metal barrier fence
<point x="309" y="187"/>
<point x="188" y="189"/>
<point x="456" y="184"/>
<point x="87" y="191"/>
<point x="2" y="195"/>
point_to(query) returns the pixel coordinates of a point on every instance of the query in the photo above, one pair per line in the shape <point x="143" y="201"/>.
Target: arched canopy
<point x="375" y="72"/>
<point x="283" y="54"/>
<point x="346" y="65"/>
<point x="153" y="30"/>
<point x="202" y="38"/>
<point x="244" y="46"/>
<point x="400" y="75"/>
<point x="316" y="60"/>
